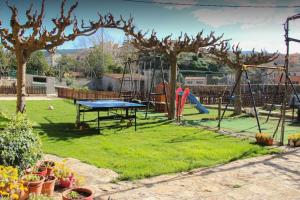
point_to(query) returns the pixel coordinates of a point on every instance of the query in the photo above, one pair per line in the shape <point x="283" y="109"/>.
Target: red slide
<point x="179" y="90"/>
<point x="183" y="99"/>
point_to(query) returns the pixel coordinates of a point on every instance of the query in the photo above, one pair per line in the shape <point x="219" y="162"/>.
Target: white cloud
<point x="246" y="18"/>
<point x="189" y="4"/>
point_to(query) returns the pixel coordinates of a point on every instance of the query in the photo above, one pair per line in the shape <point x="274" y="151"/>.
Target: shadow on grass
<point x="67" y="131"/>
<point x="294" y="124"/>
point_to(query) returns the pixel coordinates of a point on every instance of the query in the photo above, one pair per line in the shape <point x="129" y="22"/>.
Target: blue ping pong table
<point x="107" y="105"/>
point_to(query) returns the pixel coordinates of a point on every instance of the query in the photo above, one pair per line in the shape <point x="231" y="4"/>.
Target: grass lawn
<point x="157" y="147"/>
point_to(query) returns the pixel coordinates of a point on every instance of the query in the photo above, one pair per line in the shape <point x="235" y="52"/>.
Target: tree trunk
<point x="21" y="78"/>
<point x="173" y="78"/>
<point x="237" y="94"/>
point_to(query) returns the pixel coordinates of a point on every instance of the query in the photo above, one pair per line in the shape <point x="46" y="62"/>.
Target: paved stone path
<point x="267" y="177"/>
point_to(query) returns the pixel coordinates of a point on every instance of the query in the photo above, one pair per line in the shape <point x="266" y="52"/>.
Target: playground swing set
<point x="156" y="96"/>
<point x="295" y="100"/>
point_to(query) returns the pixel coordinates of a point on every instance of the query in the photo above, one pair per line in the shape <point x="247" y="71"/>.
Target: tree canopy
<point x="37" y="63"/>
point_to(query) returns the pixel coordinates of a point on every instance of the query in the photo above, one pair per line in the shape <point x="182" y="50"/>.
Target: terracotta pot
<point x="48" y="186"/>
<point x="22" y="195"/>
<point x="33" y="187"/>
<point x="291" y="143"/>
<point x="297" y="143"/>
<point x="42" y="171"/>
<point x="269" y="142"/>
<point x="87" y="193"/>
<point x="66" y="183"/>
<point x="49" y="166"/>
<point x="294" y="143"/>
<point x="258" y="140"/>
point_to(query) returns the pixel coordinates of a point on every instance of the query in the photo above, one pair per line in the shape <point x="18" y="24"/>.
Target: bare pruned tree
<point x="171" y="48"/>
<point x="25" y="38"/>
<point x="234" y="58"/>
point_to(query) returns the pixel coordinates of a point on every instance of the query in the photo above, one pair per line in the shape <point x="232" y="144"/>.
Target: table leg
<point x="135" y="119"/>
<point x="98" y="122"/>
<point x="78" y="114"/>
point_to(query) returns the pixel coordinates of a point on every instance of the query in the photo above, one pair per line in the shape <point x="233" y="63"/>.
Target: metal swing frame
<point x="287" y="82"/>
<point x="150" y="92"/>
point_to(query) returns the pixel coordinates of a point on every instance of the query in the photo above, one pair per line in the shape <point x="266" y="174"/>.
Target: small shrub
<point x="19" y="146"/>
<point x="69" y="81"/>
<point x="263" y="136"/>
<point x="63" y="172"/>
<point x="73" y="195"/>
<point x="10" y="186"/>
<point x="294" y="137"/>
<point x="31" y="178"/>
<point x="4" y="119"/>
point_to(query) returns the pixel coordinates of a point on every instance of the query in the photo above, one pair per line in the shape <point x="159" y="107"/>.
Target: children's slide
<point x="199" y="106"/>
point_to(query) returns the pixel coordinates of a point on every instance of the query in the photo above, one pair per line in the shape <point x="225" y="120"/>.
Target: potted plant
<point x="39" y="170"/>
<point x="49" y="165"/>
<point x="294" y="140"/>
<point x="10" y="186"/>
<point x="258" y="138"/>
<point x="48" y="185"/>
<point x="33" y="183"/>
<point x="64" y="175"/>
<point x="78" y="194"/>
<point x="264" y="139"/>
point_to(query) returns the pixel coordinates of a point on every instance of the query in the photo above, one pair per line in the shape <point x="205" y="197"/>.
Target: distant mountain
<point x="294" y="61"/>
<point x="69" y="51"/>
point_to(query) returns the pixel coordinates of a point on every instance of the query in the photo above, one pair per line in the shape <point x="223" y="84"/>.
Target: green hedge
<point x="19" y="146"/>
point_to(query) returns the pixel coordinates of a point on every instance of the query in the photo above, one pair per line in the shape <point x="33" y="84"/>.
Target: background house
<point x="112" y="82"/>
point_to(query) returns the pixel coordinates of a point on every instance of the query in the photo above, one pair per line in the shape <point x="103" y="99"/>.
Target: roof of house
<point x="127" y="76"/>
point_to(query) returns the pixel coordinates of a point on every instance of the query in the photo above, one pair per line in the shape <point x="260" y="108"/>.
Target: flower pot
<point x="22" y="195"/>
<point x="291" y="143"/>
<point x="49" y="165"/>
<point x="294" y="143"/>
<point x="297" y="143"/>
<point x="84" y="194"/>
<point x="269" y="142"/>
<point x="48" y="186"/>
<point x="258" y="140"/>
<point x="66" y="183"/>
<point x="34" y="187"/>
<point x="42" y="171"/>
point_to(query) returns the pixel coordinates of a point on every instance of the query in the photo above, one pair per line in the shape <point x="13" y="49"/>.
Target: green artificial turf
<point x="157" y="147"/>
<point x="242" y="124"/>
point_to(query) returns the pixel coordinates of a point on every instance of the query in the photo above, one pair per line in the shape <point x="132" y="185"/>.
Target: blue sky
<point x="259" y="28"/>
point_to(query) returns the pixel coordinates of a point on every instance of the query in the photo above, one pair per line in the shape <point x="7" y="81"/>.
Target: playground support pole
<point x="253" y="101"/>
<point x="286" y="63"/>
<point x="273" y="98"/>
<point x="133" y="89"/>
<point x="164" y="84"/>
<point x="294" y="89"/>
<point x="219" y="112"/>
<point x="150" y="91"/>
<point x="232" y="92"/>
<point x="122" y="81"/>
